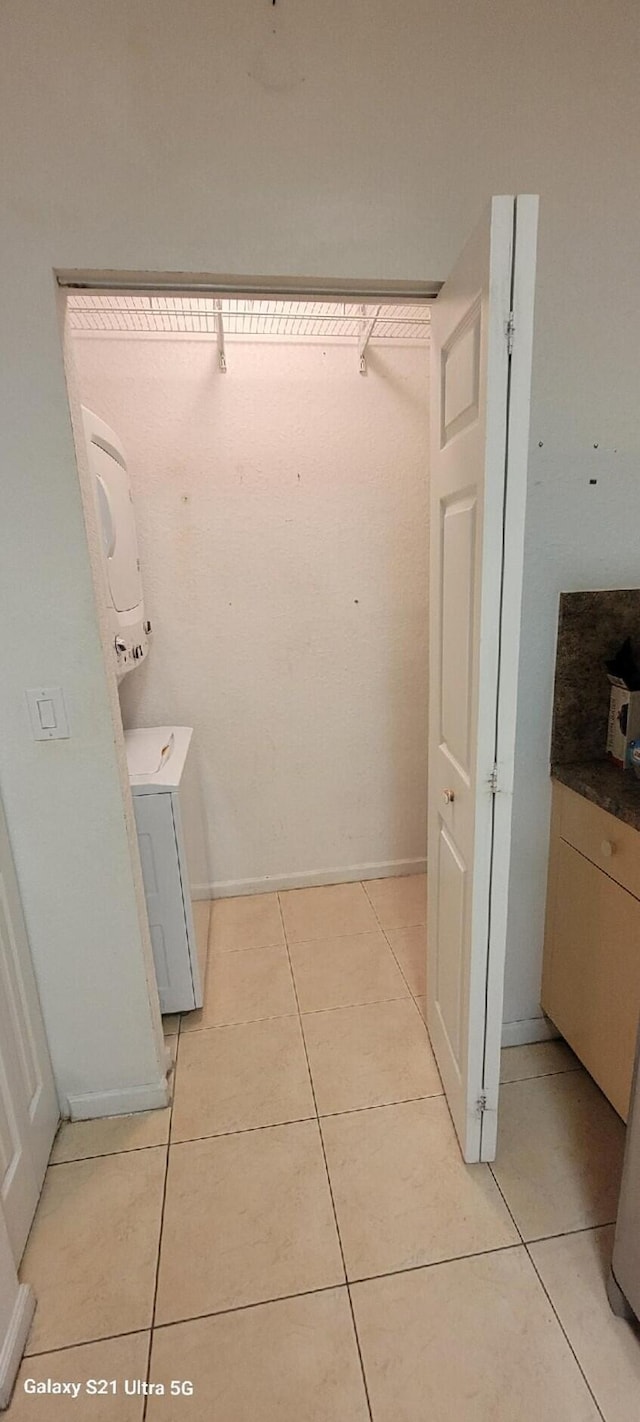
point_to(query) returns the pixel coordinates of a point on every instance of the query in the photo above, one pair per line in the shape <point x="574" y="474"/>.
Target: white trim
<point x="513" y="520"/>
<point x="14" y="1341"/>
<point x="309" y="879"/>
<point x="280" y="288"/>
<point x="119" y="1102"/>
<point x="529" y="1029"/>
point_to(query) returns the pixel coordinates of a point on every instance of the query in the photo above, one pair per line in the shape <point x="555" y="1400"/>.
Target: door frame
<point x="515" y="498"/>
<point x="285" y="287"/>
<point x="494" y="275"/>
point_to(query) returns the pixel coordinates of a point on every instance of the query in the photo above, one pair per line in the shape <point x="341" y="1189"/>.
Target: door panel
<point x="28" y="1102"/>
<point x="451" y="898"/>
<point x="468" y="736"/>
<point x="165" y="905"/>
<point x="461" y="375"/>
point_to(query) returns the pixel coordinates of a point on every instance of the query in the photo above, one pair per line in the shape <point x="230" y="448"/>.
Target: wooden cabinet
<point x="591" y="973"/>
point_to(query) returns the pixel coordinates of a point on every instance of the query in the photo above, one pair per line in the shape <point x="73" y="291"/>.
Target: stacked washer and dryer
<point x="162" y="770"/>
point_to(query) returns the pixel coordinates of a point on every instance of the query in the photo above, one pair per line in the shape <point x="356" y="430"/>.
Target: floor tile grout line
<point x="344" y="1266"/>
<point x="278" y="1298"/>
<point x="243" y="1022"/>
<point x="505" y="1202"/>
<point x="413" y="996"/>
<point x="326" y="1166"/>
<point x="164" y="1200"/>
<point x="254" y="1303"/>
<point x="389" y="946"/>
<point x="86" y="1343"/>
<point x="322" y="1289"/>
<point x="564" y="1333"/>
<point x="295" y="993"/>
<point x="568" y="1233"/>
<point x="435" y="1263"/>
<point x="246" y="1130"/>
<point x="250" y="948"/>
<point x="346" y="1006"/>
<point x="108" y="1154"/>
<point x="295" y="1121"/>
<point x="540" y="1075"/>
<point x="363" y="1370"/>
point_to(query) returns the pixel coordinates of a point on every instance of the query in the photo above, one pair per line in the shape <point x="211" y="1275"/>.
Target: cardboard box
<point x="624" y="722"/>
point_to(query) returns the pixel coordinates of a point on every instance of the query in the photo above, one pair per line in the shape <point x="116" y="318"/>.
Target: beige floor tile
<point x="291" y="1361"/>
<point x="574" y="1271"/>
<point x="252" y="921"/>
<point x="470" y="1341"/>
<point x="115" y="1358"/>
<point x="78" y="1140"/>
<point x="202" y="909"/>
<point x="170" y="1023"/>
<point x="536" y="1059"/>
<point x="92" y="1252"/>
<point x="247" y="1218"/>
<point x="421" y="1004"/>
<point x="410" y="948"/>
<point x="366" y="1056"/>
<point x="402" y="1192"/>
<point x="401" y="902"/>
<point x="245" y="987"/>
<point x="345" y="972"/>
<point x="335" y="911"/>
<point x="559" y="1158"/>
<point x="235" y="1078"/>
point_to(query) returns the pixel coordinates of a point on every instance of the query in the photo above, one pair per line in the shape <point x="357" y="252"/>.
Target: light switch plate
<point x="47" y="713"/>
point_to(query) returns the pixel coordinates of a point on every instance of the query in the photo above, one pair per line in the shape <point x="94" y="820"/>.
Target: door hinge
<point x="510" y="326"/>
<point x="481" y="1104"/>
<point x="493" y="781"/>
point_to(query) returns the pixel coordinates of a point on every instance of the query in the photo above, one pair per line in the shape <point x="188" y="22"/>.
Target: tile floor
<point x="298" y="1237"/>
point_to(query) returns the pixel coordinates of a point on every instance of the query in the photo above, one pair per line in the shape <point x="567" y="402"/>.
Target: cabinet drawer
<point x="606" y="841"/>
<point x="591" y="985"/>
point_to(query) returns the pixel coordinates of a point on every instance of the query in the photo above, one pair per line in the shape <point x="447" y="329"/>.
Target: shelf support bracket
<point x="222" y="359"/>
<point x="365" y="337"/>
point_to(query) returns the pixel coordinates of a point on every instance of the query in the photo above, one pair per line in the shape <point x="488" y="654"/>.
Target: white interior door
<point x="28" y="1101"/>
<point x="482" y="324"/>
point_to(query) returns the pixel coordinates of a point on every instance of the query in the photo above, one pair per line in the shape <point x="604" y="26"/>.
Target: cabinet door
<point x="165" y="904"/>
<point x="591" y="986"/>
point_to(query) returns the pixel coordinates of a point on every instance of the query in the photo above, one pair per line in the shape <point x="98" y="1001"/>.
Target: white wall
<point x="64" y="799"/>
<point x="339" y="141"/>
<point x="282" y="512"/>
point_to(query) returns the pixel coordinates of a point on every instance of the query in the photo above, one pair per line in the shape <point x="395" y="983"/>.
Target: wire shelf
<point x="246" y="317"/>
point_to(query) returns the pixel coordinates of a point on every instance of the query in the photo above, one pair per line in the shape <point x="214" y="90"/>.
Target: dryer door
<point x="118" y="526"/>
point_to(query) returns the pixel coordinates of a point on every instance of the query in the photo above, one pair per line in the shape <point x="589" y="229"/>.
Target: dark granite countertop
<point x="605" y="784"/>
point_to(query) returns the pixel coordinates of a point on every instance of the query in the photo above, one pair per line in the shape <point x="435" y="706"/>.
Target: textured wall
<point x="282" y="513"/>
<point x="339" y="140"/>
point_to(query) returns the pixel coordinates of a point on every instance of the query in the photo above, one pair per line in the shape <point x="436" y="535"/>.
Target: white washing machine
<point x="173" y="853"/>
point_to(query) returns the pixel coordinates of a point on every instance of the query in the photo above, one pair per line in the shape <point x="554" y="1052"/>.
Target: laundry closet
<point x="277" y="452"/>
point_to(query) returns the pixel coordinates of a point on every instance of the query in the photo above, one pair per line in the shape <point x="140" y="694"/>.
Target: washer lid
<point x="156" y="757"/>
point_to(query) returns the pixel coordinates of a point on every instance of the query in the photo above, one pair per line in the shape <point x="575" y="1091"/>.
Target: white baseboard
<point x="14" y="1342"/>
<point x="125" y="1101"/>
<point x="528" y="1029"/>
<point x="309" y="879"/>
